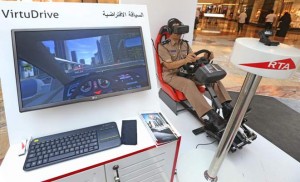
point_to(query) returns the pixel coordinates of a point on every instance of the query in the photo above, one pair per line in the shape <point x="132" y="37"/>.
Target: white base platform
<point x="193" y="164"/>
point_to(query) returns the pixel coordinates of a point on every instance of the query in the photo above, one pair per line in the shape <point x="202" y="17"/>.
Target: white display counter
<point x="145" y="160"/>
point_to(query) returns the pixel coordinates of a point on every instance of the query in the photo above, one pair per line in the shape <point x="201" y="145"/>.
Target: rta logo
<point x="285" y="64"/>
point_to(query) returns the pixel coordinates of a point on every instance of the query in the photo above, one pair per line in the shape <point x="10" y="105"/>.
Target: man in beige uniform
<point x="174" y="53"/>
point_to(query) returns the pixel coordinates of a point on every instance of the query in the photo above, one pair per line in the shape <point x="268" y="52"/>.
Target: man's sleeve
<point x="164" y="54"/>
<point x="190" y="49"/>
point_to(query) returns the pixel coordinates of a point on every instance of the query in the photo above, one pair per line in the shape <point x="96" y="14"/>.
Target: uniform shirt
<point x="170" y="52"/>
<point x="242" y="17"/>
<point x="270" y="18"/>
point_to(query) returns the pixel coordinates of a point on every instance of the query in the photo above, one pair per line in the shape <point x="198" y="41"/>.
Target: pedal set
<point x="243" y="137"/>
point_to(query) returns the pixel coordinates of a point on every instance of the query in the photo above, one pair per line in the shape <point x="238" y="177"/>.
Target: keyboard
<point x="68" y="145"/>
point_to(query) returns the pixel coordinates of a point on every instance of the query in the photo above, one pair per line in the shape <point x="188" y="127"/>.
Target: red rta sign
<point x="284" y="64"/>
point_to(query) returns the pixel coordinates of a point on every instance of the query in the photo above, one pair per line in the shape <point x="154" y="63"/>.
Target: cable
<point x="155" y="48"/>
<point x="205" y="143"/>
<point x="154" y="45"/>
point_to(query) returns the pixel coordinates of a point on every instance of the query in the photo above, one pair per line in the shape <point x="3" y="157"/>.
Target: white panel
<point x="73" y="116"/>
<point x="143" y="169"/>
<point x="161" y="11"/>
<point x="148" y="166"/>
<point x="93" y="175"/>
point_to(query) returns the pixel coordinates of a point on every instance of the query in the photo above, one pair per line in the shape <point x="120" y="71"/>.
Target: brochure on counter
<point x="160" y="129"/>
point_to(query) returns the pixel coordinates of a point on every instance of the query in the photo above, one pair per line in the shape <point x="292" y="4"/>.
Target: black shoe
<point x="227" y="110"/>
<point x="215" y="121"/>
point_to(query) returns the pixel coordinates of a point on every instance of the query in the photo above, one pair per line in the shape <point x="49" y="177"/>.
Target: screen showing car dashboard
<point x="63" y="66"/>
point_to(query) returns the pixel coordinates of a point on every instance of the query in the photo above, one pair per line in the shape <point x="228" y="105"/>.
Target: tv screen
<point x="63" y="66"/>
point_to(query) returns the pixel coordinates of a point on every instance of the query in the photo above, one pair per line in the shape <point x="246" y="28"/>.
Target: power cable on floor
<point x="206" y="143"/>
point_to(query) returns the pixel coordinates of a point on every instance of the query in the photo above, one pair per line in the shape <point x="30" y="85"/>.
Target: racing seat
<point x="171" y="97"/>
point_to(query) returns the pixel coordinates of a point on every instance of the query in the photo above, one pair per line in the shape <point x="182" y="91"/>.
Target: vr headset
<point x="177" y="27"/>
<point x="180" y="29"/>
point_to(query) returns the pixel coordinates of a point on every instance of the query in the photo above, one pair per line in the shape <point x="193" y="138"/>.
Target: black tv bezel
<point x="78" y="100"/>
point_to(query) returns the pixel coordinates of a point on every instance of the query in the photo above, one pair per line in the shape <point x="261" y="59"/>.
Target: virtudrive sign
<point x="29" y="14"/>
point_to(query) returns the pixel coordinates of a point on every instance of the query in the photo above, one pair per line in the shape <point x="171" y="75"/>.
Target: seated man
<point x="176" y="52"/>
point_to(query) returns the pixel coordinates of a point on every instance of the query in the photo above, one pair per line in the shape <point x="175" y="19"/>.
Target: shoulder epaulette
<point x="165" y="41"/>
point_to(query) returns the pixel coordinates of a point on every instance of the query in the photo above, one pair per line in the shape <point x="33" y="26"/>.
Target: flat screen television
<point x="62" y="66"/>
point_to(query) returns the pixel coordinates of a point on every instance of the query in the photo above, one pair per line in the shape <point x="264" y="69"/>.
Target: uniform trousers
<point x="197" y="100"/>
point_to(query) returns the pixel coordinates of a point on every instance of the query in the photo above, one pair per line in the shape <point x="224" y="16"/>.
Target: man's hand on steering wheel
<point x="190" y="58"/>
<point x="192" y="62"/>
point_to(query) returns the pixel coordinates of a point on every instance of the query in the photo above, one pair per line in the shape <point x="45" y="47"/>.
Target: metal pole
<point x="248" y="90"/>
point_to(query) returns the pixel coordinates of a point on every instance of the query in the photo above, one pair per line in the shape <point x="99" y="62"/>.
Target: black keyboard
<point x="60" y="147"/>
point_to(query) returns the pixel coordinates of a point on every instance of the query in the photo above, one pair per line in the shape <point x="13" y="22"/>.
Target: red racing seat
<point x="170" y="96"/>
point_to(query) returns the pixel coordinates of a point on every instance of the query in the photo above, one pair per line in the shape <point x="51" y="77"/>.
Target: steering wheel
<point x="189" y="69"/>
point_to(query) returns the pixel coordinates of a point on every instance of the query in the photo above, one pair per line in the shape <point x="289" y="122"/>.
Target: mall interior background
<point x="255" y="9"/>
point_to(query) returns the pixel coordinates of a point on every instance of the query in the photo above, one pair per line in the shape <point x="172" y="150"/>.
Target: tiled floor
<point x="221" y="44"/>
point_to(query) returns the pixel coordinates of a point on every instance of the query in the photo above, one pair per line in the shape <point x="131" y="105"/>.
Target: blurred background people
<point x="197" y="15"/>
<point x="241" y="21"/>
<point x="284" y="25"/>
<point x="270" y="19"/>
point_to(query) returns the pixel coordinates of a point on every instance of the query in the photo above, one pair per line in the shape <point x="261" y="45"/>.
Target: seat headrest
<point x="163" y="29"/>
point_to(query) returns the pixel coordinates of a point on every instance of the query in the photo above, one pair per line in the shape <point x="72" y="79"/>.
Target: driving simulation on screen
<point x="56" y="67"/>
